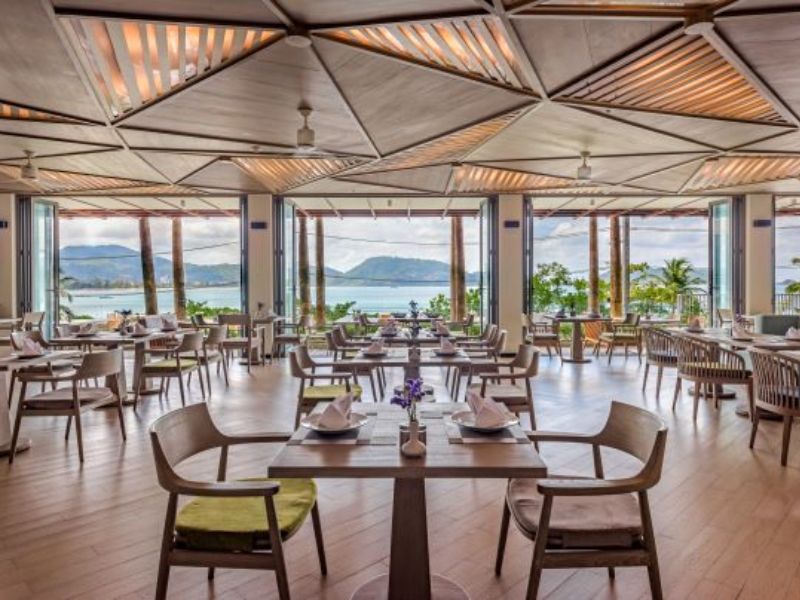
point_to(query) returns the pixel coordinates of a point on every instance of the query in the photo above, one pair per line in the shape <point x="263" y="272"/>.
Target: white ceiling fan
<point x="584" y="173"/>
<point x="305" y="135"/>
<point x="29" y="171"/>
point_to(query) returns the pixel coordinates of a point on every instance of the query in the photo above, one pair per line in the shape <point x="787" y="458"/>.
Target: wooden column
<point x="178" y="273"/>
<point x="302" y="267"/>
<point x="148" y="269"/>
<point x="616" y="266"/>
<point x="594" y="267"/>
<point x="458" y="290"/>
<point x="319" y="315"/>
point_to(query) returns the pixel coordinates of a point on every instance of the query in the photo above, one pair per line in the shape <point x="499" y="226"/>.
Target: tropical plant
<point x="338" y="310"/>
<point x="474" y="301"/>
<point x="794" y="286"/>
<point x="647" y="294"/>
<point x="201" y="307"/>
<point x="65" y="284"/>
<point x="547" y="286"/>
<point x="678" y="278"/>
<point x="438" y="305"/>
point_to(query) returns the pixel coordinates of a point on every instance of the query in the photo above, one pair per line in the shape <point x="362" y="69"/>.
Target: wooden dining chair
<point x="486" y="339"/>
<point x="724" y="317"/>
<point x="309" y="394"/>
<point x="76" y="398"/>
<point x="660" y="352"/>
<point x="289" y="335"/>
<point x="776" y="380"/>
<point x="32" y="321"/>
<point x="597" y="522"/>
<point x="502" y="386"/>
<point x="233" y="524"/>
<point x="41" y="373"/>
<point x="184" y="361"/>
<point x="592" y="330"/>
<point x="707" y="365"/>
<point x="213" y="353"/>
<point x="544" y="334"/>
<point x="243" y="336"/>
<point x="486" y="360"/>
<point x="625" y="334"/>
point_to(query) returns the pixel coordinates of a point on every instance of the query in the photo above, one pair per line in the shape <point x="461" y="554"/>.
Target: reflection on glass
<point x="721" y="255"/>
<point x="43" y="259"/>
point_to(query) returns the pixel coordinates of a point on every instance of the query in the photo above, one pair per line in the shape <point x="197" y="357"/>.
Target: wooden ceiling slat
<point x="731" y="171"/>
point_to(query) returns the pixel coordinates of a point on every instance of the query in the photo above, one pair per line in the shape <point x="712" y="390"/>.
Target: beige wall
<point x="509" y="276"/>
<point x="259" y="252"/>
<point x="8" y="244"/>
<point x="759" y="255"/>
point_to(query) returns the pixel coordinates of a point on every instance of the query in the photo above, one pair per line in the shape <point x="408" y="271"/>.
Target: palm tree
<point x="65" y="310"/>
<point x="677" y="276"/>
<point x="178" y="273"/>
<point x="794" y="287"/>
<point x="458" y="286"/>
<point x="148" y="269"/>
<point x="302" y="267"/>
<point x="594" y="268"/>
<point x="616" y="266"/>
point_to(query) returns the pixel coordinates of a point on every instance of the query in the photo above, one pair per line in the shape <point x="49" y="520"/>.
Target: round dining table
<point x="576" y="343"/>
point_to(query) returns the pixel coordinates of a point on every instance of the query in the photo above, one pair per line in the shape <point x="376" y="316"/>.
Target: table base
<point x="743" y="410"/>
<point x="441" y="589"/>
<point x="22" y="445"/>
<point x="580" y="361"/>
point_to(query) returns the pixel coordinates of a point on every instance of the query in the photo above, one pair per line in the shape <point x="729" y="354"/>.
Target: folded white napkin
<point x="738" y="331"/>
<point x="31" y="348"/>
<point x="447" y="345"/>
<point x="488" y="413"/>
<point x="793" y="334"/>
<point x="139" y="329"/>
<point x="86" y="328"/>
<point x="169" y="321"/>
<point x="442" y="329"/>
<point x="337" y="414"/>
<point x="375" y="347"/>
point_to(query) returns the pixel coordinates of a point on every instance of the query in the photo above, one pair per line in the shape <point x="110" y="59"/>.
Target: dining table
<point x="401" y="357"/>
<point x="576" y="341"/>
<point x="8" y="364"/>
<point x="113" y="339"/>
<point x="374" y="453"/>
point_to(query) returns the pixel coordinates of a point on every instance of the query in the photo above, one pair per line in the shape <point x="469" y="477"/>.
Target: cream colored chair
<point x="777" y="391"/>
<point x="186" y="360"/>
<point x="594" y="522"/>
<point x="237" y="524"/>
<point x="75" y="399"/>
<point x="242" y="335"/>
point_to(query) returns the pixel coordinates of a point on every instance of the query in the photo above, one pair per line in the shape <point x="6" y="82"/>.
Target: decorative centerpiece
<point x="413" y="309"/>
<point x="123" y="324"/>
<point x="413" y="434"/>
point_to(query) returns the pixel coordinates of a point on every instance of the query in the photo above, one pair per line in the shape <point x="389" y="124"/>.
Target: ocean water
<point x="99" y="303"/>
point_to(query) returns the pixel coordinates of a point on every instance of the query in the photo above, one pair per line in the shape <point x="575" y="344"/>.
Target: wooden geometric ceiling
<point x="437" y="98"/>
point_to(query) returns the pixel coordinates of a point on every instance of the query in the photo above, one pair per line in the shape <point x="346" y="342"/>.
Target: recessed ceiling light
<point x="298" y="40"/>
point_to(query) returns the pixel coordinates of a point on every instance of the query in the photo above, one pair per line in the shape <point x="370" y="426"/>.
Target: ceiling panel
<point x="724" y="172"/>
<point x="473" y="178"/>
<point x="86" y="134"/>
<point x="324" y="12"/>
<point x="248" y="12"/>
<point x="156" y="140"/>
<point x="15" y="146"/>
<point x="337" y="186"/>
<point x="431" y="179"/>
<point x="114" y="163"/>
<point x="401" y="105"/>
<point x="258" y="99"/>
<point x="553" y="130"/>
<point x="35" y="69"/>
<point x="224" y="175"/>
<point x="671" y="180"/>
<point x="564" y="49"/>
<point x="279" y="175"/>
<point x="176" y="166"/>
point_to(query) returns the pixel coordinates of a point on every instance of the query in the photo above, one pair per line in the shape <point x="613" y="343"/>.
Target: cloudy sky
<point x="350" y="241"/>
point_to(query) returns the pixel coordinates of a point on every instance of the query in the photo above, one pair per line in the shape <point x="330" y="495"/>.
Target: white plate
<point x="466" y="418"/>
<point x="312" y="422"/>
<point x="29" y="356"/>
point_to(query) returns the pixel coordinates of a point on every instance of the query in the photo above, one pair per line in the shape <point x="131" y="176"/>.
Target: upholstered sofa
<point x="776" y="324"/>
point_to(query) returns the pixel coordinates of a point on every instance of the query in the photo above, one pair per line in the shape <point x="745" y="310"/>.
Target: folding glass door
<point x="725" y="245"/>
<point x="38" y="273"/>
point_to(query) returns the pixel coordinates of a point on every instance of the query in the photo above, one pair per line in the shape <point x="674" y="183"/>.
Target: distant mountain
<point x="117" y="266"/>
<point x="108" y="266"/>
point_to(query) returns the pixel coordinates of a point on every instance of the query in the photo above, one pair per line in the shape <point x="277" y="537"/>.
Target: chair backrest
<point x="632" y="319"/>
<point x="489" y="332"/>
<point x="239" y="321"/>
<point x="216" y="335"/>
<point x="191" y="342"/>
<point x="151" y="321"/>
<point x="181" y="434"/>
<point x="776" y="380"/>
<point x="198" y="320"/>
<point x="637" y="432"/>
<point x="299" y="360"/>
<point x="500" y="343"/>
<point x="724" y="315"/>
<point x="592" y="330"/>
<point x="100" y="364"/>
<point x="526" y="359"/>
<point x="658" y="342"/>
<point x="338" y="337"/>
<point x="32" y="320"/>
<point x="691" y="350"/>
<point x="469" y="320"/>
<point x="19" y="337"/>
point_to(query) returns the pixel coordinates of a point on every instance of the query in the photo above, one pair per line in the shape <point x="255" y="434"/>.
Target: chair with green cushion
<point x="176" y="366"/>
<point x="238" y="524"/>
<point x="309" y="395"/>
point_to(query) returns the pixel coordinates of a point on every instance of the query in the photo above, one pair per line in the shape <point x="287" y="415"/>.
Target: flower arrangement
<point x="408" y="398"/>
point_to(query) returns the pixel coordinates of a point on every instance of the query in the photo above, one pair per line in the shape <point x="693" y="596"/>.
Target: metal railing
<point x="787" y="304"/>
<point x="694" y="304"/>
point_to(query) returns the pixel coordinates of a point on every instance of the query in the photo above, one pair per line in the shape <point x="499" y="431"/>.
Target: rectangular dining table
<point x="379" y="457"/>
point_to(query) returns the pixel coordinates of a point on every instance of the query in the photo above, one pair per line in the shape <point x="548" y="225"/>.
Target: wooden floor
<point x="727" y="519"/>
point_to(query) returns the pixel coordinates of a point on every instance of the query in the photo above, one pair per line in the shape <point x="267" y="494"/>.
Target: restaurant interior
<point x="615" y="429"/>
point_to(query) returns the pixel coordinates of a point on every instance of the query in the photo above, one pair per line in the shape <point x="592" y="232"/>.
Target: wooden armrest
<point x="519" y="375"/>
<point x="588" y="487"/>
<point x="257" y="438"/>
<point x="226" y="489"/>
<point x="558" y="436"/>
<point x="334" y="374"/>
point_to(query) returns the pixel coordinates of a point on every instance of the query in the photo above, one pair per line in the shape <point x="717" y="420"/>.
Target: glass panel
<point x="289" y="260"/>
<point x="721" y="257"/>
<point x="787" y="264"/>
<point x="44" y="289"/>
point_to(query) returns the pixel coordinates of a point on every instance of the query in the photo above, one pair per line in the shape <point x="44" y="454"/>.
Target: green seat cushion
<point x="240" y="524"/>
<point x="170" y="364"/>
<point x="328" y="392"/>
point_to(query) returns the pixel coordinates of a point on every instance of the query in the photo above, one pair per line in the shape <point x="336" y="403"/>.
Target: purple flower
<point x="401" y="401"/>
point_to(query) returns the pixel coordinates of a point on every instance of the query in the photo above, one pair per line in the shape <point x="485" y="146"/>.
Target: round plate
<point x="466" y="418"/>
<point x="312" y="422"/>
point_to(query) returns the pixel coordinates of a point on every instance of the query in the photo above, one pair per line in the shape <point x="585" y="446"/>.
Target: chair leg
<point x="501" y="543"/>
<point x="787" y="434"/>
<point x="372" y="385"/>
<point x="754" y="427"/>
<point x="79" y="434"/>
<point x="166" y="546"/>
<point x="183" y="392"/>
<point x="225" y="371"/>
<point x="677" y="392"/>
<point x="69" y="426"/>
<point x="650" y="544"/>
<point x="659" y="376"/>
<point x="11" y="388"/>
<point x="696" y="400"/>
<point x="646" y="371"/>
<point x="202" y="383"/>
<point x="315" y="520"/>
<point x="12" y="450"/>
<point x="539" y="548"/>
<point x="121" y="420"/>
<point x="208" y="378"/>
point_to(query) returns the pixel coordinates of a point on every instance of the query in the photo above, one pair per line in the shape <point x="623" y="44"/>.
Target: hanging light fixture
<point x="29" y="171"/>
<point x="305" y="135"/>
<point x="585" y="170"/>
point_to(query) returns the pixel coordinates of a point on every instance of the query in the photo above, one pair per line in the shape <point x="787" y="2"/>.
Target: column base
<point x="441" y="589"/>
